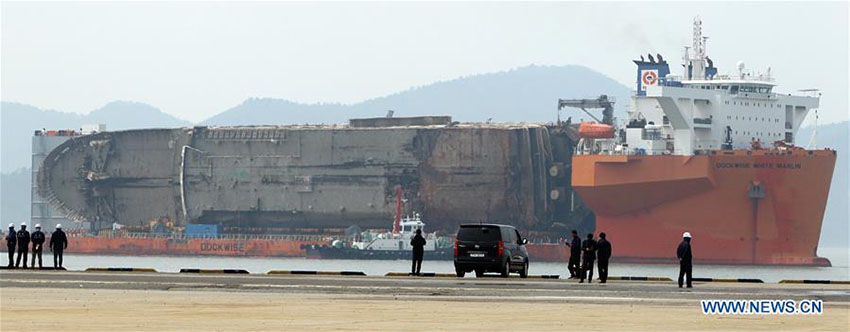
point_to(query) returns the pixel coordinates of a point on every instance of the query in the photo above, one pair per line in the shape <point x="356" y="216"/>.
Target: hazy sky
<point x="196" y="59"/>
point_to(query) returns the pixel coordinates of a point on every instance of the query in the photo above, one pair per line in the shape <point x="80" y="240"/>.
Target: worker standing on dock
<point x="685" y="257"/>
<point x="589" y="250"/>
<point x="603" y="253"/>
<point x="575" y="255"/>
<point x="58" y="244"/>
<point x="37" y="245"/>
<point x="11" y="241"/>
<point x="23" y="245"/>
<point x="418" y="244"/>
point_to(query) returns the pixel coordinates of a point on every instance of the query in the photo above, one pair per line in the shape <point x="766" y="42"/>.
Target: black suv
<point x="490" y="248"/>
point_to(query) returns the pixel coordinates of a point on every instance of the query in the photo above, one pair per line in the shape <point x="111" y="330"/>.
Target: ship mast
<point x="397" y="219"/>
<point x="694" y="57"/>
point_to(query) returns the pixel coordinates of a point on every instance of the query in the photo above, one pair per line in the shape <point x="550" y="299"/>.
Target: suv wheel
<point x="524" y="272"/>
<point x="507" y="269"/>
<point x="460" y="273"/>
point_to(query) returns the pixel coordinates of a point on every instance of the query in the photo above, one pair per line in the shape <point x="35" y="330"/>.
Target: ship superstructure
<point x="700" y="110"/>
<point x="399" y="241"/>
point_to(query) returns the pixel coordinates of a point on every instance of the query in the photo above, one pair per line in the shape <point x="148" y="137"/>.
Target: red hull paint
<point x="187" y="247"/>
<point x="645" y="203"/>
<point x="152" y="246"/>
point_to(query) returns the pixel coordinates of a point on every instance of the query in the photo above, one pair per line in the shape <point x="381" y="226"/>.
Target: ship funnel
<point x="650" y="73"/>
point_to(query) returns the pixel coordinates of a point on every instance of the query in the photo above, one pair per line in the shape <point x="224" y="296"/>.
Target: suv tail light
<point x="455" y="247"/>
<point x="501" y="248"/>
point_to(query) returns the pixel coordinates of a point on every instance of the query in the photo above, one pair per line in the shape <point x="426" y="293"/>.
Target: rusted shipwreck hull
<point x="319" y="176"/>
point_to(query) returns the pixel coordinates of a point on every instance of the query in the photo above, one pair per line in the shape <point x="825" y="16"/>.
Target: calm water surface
<point x="839" y="271"/>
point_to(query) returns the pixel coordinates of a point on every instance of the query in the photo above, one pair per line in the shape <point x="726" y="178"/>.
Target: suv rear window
<point x="479" y="233"/>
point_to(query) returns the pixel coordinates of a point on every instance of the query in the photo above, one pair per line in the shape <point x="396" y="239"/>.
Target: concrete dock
<point x="49" y="300"/>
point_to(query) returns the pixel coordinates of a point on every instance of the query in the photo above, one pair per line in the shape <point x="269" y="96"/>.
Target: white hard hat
<point x="12" y="225"/>
<point x="687" y="235"/>
<point x="23" y="224"/>
<point x="58" y="225"/>
<point x="37" y="225"/>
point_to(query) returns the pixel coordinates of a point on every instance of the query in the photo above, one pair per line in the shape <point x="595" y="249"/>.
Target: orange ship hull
<point x="742" y="207"/>
<point x="159" y="246"/>
<point x="196" y="246"/>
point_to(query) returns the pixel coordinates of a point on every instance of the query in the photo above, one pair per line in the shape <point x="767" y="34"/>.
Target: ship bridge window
<point x="733" y="89"/>
<point x="764" y="89"/>
<point x="651" y="134"/>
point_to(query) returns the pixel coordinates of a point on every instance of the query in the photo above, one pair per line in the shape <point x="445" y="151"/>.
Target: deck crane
<point x="607" y="106"/>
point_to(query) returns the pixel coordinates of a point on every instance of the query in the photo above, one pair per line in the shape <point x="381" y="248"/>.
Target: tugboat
<point x="387" y="245"/>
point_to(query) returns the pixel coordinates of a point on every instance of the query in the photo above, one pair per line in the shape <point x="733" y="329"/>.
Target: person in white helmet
<point x="37" y="238"/>
<point x="685" y="256"/>
<point x="23" y="245"/>
<point x="11" y="243"/>
<point x="58" y="244"/>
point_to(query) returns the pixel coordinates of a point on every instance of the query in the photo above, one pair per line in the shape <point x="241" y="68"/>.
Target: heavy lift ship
<point x="712" y="155"/>
<point x="704" y="153"/>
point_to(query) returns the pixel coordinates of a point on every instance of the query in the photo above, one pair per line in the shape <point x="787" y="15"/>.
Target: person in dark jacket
<point x="11" y="242"/>
<point x="575" y="255"/>
<point x="37" y="238"/>
<point x="58" y="244"/>
<point x="685" y="256"/>
<point x="588" y="249"/>
<point x="603" y="253"/>
<point x="418" y="244"/>
<point x="23" y="245"/>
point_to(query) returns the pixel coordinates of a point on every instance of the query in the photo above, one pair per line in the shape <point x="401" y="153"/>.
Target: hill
<point x="19" y="121"/>
<point x="523" y="94"/>
<point x="527" y="94"/>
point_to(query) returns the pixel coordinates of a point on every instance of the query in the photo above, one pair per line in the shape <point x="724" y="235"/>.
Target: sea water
<point x="839" y="271"/>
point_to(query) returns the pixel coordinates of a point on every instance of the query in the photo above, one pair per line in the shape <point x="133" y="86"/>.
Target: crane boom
<point x="602" y="102"/>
